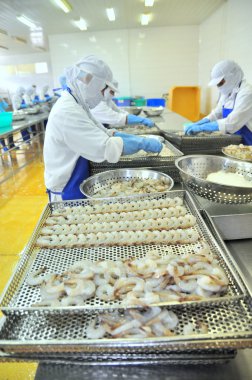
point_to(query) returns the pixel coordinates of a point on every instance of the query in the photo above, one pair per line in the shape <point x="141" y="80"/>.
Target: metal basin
<point x="194" y="170"/>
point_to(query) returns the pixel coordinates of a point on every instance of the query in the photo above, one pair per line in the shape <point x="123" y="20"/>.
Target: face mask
<point x="226" y="88"/>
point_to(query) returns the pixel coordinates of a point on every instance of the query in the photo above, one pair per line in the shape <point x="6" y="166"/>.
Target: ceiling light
<point x="81" y="24"/>
<point x="110" y="14"/>
<point x="64" y="5"/>
<point x="145" y="19"/>
<point x="25" y="20"/>
<point x="92" y="39"/>
<point x="148" y="3"/>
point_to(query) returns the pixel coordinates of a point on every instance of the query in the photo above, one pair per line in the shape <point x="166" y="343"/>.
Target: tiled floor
<point x="22" y="199"/>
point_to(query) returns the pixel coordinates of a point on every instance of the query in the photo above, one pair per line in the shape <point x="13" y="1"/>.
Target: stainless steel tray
<point x="138" y="129"/>
<point x="194" y="144"/>
<point x="129" y="162"/>
<point x="104" y="180"/>
<point x="18" y="297"/>
<point x="234" y="157"/>
<point x="228" y="328"/>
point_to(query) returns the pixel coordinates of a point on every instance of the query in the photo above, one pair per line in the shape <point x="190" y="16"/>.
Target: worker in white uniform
<point x="233" y="113"/>
<point x="28" y="96"/>
<point x="17" y="104"/>
<point x="107" y="112"/>
<point x="73" y="136"/>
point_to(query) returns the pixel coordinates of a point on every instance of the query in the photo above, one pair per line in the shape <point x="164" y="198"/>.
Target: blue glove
<point x="203" y="121"/>
<point x="132" y="144"/>
<point x="206" y="127"/>
<point x="133" y="119"/>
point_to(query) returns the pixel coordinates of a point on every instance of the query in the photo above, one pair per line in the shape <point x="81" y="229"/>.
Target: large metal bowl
<point x="133" y="110"/>
<point x="194" y="170"/>
<point x="153" y="111"/>
<point x="105" y="179"/>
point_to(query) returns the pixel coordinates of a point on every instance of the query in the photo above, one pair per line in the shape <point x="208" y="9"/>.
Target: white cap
<point x="95" y="66"/>
<point x="224" y="69"/>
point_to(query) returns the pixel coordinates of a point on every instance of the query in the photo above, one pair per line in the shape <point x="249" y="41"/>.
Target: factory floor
<point x="22" y="199"/>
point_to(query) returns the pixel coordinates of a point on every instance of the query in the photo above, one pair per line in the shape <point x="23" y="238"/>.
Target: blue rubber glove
<point x="132" y="144"/>
<point x="203" y="121"/>
<point x="206" y="127"/>
<point x="133" y="119"/>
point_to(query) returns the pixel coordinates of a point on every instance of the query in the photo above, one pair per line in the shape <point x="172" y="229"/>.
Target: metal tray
<point x="228" y="328"/>
<point x="103" y="181"/>
<point x="138" y="129"/>
<point x="195" y="168"/>
<point x="194" y="144"/>
<point x="129" y="162"/>
<point x="18" y="296"/>
<point x="234" y="157"/>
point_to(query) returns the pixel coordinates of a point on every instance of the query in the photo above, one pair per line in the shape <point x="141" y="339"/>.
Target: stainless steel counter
<point x="27" y="122"/>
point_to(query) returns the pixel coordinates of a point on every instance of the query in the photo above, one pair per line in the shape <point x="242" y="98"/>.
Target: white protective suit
<point x="107" y="111"/>
<point x="29" y="96"/>
<point x="43" y="92"/>
<point x="17" y="98"/>
<point x="71" y="130"/>
<point x="235" y="94"/>
<point x="241" y="102"/>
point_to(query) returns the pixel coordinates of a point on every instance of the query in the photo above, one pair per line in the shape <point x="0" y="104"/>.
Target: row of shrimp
<point x="78" y="218"/>
<point x="147" y="322"/>
<point x="185" y="221"/>
<point x="119" y="238"/>
<point x="134" y="205"/>
<point x="136" y="281"/>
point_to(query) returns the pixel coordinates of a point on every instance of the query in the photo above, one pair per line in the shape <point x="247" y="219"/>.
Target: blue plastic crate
<point x="123" y="102"/>
<point x="156" y="102"/>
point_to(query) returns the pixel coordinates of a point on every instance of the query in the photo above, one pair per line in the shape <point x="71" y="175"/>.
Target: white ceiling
<point x="54" y="21"/>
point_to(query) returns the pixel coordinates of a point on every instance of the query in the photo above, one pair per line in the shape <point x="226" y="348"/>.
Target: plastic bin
<point x="138" y="102"/>
<point x="5" y="120"/>
<point x="123" y="101"/>
<point x="185" y="100"/>
<point x="156" y="102"/>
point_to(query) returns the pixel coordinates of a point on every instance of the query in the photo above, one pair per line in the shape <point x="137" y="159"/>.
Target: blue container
<point x="5" y="120"/>
<point x="123" y="102"/>
<point x="156" y="102"/>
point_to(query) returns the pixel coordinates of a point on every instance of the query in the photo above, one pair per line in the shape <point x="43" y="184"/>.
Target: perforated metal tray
<point x="197" y="144"/>
<point x="228" y="328"/>
<point x="144" y="161"/>
<point x="138" y="129"/>
<point x="19" y="297"/>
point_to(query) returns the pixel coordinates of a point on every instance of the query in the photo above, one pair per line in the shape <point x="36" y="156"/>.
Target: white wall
<point x="227" y="34"/>
<point x="146" y="61"/>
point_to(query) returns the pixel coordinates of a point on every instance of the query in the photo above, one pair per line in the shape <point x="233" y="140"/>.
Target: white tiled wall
<point x="227" y="34"/>
<point x="145" y="61"/>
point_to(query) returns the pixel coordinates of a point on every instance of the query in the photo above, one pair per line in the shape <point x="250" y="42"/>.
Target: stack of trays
<point x="211" y="144"/>
<point x="207" y="329"/>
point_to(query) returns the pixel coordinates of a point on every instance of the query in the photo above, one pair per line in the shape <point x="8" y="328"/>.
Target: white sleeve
<point x="83" y="136"/>
<point x="216" y="112"/>
<point x="240" y="116"/>
<point x="105" y="115"/>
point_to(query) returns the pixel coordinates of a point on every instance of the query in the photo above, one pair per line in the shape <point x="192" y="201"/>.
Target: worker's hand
<point x="206" y="127"/>
<point x="203" y="121"/>
<point x="133" y="119"/>
<point x="132" y="144"/>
